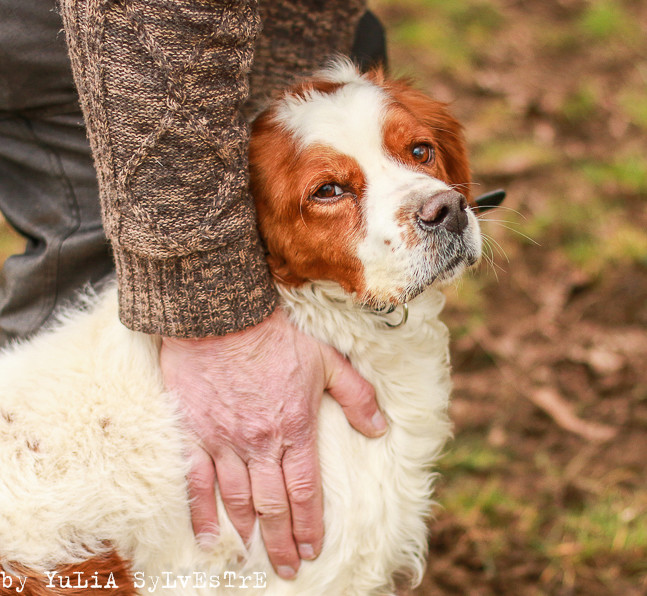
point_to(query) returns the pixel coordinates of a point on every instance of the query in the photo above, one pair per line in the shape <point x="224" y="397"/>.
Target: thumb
<point x="354" y="394"/>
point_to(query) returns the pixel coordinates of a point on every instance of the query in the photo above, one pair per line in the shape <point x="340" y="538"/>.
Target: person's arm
<point x="161" y="85"/>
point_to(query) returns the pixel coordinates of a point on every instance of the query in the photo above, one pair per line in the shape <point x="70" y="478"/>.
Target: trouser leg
<point x="48" y="193"/>
<point x="48" y="188"/>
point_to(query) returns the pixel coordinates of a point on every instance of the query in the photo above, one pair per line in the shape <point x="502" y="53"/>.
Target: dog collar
<point x="387" y="310"/>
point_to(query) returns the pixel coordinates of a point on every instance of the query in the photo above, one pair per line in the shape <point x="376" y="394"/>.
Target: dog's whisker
<point x="489" y="259"/>
<point x="501" y="207"/>
<point x="500" y="250"/>
<point x="504" y="223"/>
<point x="507" y="227"/>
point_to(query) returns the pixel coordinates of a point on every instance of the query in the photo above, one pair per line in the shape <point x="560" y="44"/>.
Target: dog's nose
<point x="445" y="209"/>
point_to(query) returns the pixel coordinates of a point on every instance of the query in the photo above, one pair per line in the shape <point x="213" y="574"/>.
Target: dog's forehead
<point x="349" y="119"/>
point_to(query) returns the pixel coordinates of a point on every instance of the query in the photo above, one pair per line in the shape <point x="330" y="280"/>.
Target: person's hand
<point x="251" y="399"/>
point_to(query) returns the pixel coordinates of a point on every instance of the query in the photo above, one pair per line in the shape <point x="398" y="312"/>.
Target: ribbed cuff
<point x="196" y="295"/>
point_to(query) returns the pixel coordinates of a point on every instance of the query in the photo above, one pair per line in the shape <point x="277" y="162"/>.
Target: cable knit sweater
<point x="162" y="84"/>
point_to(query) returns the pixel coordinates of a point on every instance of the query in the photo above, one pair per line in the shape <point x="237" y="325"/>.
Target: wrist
<point x="242" y="339"/>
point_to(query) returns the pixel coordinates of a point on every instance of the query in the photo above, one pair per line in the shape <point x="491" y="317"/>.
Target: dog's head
<point x="363" y="181"/>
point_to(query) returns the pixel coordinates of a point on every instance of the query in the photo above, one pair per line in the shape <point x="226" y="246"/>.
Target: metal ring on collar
<point x="405" y="317"/>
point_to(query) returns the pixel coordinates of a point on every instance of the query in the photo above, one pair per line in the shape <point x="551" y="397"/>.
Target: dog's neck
<point x="384" y="356"/>
<point x="330" y="295"/>
<point x="325" y="310"/>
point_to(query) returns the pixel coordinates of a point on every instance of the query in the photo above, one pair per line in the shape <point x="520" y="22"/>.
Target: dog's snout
<point x="445" y="209"/>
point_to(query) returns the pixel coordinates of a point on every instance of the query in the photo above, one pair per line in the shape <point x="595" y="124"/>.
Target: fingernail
<point x="306" y="551"/>
<point x="285" y="571"/>
<point x="379" y="422"/>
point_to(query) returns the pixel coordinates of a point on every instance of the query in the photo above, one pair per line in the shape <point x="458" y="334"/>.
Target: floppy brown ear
<point x="448" y="131"/>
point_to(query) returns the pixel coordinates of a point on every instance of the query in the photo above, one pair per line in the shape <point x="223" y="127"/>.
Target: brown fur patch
<point x="306" y="239"/>
<point x="109" y="571"/>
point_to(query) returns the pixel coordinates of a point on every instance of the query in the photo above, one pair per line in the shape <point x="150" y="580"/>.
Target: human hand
<point x="251" y="399"/>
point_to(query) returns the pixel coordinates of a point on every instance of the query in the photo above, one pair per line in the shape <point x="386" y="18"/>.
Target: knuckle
<point x="238" y="501"/>
<point x="365" y="396"/>
<point x="271" y="512"/>
<point x="260" y="435"/>
<point x="303" y="493"/>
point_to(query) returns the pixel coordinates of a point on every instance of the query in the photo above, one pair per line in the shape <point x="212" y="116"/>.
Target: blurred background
<point x="544" y="489"/>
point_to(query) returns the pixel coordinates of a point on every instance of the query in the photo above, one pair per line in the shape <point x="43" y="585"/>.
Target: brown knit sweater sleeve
<point x="299" y="37"/>
<point x="161" y="84"/>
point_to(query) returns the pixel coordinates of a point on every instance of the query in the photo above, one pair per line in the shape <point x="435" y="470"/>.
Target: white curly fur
<point x="91" y="450"/>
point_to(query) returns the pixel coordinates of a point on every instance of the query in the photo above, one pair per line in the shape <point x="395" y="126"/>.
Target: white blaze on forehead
<point x="348" y="119"/>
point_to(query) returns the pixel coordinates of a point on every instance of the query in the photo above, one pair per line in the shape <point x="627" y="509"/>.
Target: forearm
<point x="161" y="85"/>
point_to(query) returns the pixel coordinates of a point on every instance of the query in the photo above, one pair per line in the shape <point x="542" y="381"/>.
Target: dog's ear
<point x="271" y="153"/>
<point x="447" y="130"/>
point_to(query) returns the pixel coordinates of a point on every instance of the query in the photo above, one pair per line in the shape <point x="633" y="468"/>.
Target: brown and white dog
<point x="355" y="178"/>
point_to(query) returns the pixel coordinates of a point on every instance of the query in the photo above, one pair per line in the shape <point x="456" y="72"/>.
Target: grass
<point x="607" y="20"/>
<point x="603" y="523"/>
<point x="580" y="105"/>
<point x="633" y="102"/>
<point x="626" y="174"/>
<point x="595" y="235"/>
<point x="452" y="34"/>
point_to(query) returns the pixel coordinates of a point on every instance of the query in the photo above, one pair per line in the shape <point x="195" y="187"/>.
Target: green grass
<point x="582" y="104"/>
<point x="471" y="455"/>
<point x="452" y="34"/>
<point x="633" y="102"/>
<point x="609" y="523"/>
<point x="622" y="174"/>
<point x="606" y="19"/>
<point x="563" y="534"/>
<point x="594" y="235"/>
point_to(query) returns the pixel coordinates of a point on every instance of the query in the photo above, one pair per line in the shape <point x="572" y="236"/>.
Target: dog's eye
<point x="328" y="191"/>
<point x="423" y="153"/>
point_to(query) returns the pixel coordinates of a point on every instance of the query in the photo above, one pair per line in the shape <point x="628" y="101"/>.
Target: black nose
<point x="446" y="209"/>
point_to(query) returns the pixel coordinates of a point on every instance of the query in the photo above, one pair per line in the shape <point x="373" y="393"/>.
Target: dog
<point x="356" y="179"/>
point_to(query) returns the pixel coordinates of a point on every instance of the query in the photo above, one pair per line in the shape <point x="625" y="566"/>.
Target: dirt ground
<point x="543" y="490"/>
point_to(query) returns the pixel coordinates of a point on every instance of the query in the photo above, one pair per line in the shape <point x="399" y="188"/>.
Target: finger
<point x="236" y="492"/>
<point x="202" y="498"/>
<point x="355" y="395"/>
<point x="273" y="510"/>
<point x="303" y="484"/>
